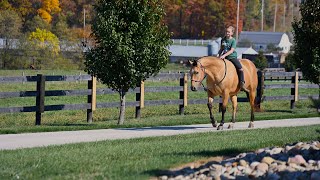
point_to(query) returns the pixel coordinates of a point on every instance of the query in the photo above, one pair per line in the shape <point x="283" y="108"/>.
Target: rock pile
<point x="293" y="161"/>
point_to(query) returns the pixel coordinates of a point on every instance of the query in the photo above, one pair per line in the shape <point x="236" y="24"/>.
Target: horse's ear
<point x="193" y="63"/>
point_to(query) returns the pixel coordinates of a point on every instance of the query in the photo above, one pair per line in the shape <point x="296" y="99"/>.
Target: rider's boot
<point x="242" y="83"/>
<point x="242" y="87"/>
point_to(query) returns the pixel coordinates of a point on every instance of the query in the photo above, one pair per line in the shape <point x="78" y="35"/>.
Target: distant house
<point x="183" y="53"/>
<point x="187" y="49"/>
<point x="242" y="52"/>
<point x="261" y="40"/>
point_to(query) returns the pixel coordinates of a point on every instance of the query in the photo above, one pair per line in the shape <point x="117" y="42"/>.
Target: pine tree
<point x="306" y="38"/>
<point x="261" y="61"/>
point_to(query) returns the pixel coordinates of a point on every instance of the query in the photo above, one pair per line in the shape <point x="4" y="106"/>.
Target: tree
<point x="289" y="63"/>
<point x="272" y="48"/>
<point x="252" y="12"/>
<point x="261" y="61"/>
<point x="43" y="38"/>
<point x="5" y="5"/>
<point x="131" y="44"/>
<point x="36" y="22"/>
<point x="10" y="24"/>
<point x="49" y="7"/>
<point x="195" y="18"/>
<point x="230" y="13"/>
<point x="60" y="28"/>
<point x="306" y="34"/>
<point x="10" y="29"/>
<point x="174" y="16"/>
<point x="44" y="46"/>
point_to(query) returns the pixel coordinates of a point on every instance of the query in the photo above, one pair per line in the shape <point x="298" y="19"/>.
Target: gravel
<point x="300" y="160"/>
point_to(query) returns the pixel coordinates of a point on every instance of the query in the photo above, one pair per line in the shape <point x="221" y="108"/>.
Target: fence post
<point x="294" y="89"/>
<point x="184" y="93"/>
<point x="140" y="98"/>
<point x="259" y="91"/>
<point x="92" y="98"/>
<point x="40" y="97"/>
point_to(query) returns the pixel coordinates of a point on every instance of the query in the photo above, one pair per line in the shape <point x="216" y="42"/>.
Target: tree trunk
<point x="180" y="23"/>
<point x="122" y="107"/>
<point x="318" y="102"/>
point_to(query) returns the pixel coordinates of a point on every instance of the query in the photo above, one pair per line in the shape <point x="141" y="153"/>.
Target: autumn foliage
<point x="201" y="19"/>
<point x="196" y="19"/>
<point x="48" y="8"/>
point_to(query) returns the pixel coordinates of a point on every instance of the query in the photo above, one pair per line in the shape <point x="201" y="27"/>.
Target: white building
<point x="248" y="51"/>
<point x="260" y="40"/>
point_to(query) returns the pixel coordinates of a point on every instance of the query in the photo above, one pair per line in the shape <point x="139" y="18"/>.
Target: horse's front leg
<point x="210" y="101"/>
<point x="225" y="98"/>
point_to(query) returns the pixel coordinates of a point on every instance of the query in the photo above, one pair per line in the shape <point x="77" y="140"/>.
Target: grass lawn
<point x="151" y="116"/>
<point x="141" y="158"/>
<point x="171" y="67"/>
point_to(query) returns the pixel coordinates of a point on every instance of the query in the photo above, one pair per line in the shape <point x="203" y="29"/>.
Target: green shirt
<point x="226" y="45"/>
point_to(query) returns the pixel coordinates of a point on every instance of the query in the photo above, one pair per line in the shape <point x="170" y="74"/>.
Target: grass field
<point x="151" y="116"/>
<point x="171" y="67"/>
<point x="141" y="158"/>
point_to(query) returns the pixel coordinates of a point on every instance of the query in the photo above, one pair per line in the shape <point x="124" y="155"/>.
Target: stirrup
<point x="243" y="88"/>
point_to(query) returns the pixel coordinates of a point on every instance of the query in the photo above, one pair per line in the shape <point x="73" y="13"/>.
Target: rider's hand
<point x="222" y="57"/>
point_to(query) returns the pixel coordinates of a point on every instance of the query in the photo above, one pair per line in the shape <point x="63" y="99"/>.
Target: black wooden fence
<point x="92" y="91"/>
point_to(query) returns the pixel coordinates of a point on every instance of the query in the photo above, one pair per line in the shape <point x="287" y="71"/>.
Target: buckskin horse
<point x="222" y="80"/>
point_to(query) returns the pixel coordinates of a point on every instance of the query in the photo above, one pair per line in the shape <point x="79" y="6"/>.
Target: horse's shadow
<point x="70" y="124"/>
<point x="316" y="103"/>
<point x="177" y="128"/>
<point x="281" y="111"/>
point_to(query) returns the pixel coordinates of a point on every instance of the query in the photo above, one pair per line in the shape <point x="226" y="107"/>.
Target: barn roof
<point x="261" y="37"/>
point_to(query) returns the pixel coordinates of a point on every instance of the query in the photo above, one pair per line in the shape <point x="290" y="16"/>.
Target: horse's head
<point x="197" y="74"/>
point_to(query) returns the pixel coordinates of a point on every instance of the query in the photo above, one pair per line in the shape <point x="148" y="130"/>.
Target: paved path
<point x="28" y="140"/>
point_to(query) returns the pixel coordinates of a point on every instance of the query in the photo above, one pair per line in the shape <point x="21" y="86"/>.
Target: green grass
<point x="151" y="116"/>
<point x="141" y="158"/>
<point x="28" y="72"/>
<point x="170" y="67"/>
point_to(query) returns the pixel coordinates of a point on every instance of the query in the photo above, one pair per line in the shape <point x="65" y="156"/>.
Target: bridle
<point x="203" y="69"/>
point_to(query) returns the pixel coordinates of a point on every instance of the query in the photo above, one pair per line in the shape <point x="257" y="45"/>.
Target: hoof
<point x="251" y="125"/>
<point x="231" y="126"/>
<point x="214" y="124"/>
<point x="220" y="127"/>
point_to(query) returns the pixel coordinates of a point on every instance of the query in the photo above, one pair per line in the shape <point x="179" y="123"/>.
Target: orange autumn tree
<point x="230" y="13"/>
<point x="49" y="8"/>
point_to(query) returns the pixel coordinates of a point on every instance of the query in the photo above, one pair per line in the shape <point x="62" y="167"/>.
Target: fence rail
<point x="183" y="100"/>
<point x="191" y="42"/>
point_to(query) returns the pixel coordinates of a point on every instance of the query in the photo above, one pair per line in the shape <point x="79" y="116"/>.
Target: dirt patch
<point x="192" y="165"/>
<point x="199" y="163"/>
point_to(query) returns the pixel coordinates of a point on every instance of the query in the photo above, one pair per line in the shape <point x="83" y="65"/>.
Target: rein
<point x="225" y="72"/>
<point x="204" y="71"/>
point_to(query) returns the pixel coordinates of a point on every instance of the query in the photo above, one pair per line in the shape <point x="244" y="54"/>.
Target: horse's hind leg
<point x="210" y="101"/>
<point x="252" y="96"/>
<point x="234" y="111"/>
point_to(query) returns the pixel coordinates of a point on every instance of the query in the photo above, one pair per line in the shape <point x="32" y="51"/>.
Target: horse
<point x="222" y="80"/>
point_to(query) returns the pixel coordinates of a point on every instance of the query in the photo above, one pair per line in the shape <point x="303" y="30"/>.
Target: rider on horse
<point x="227" y="51"/>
